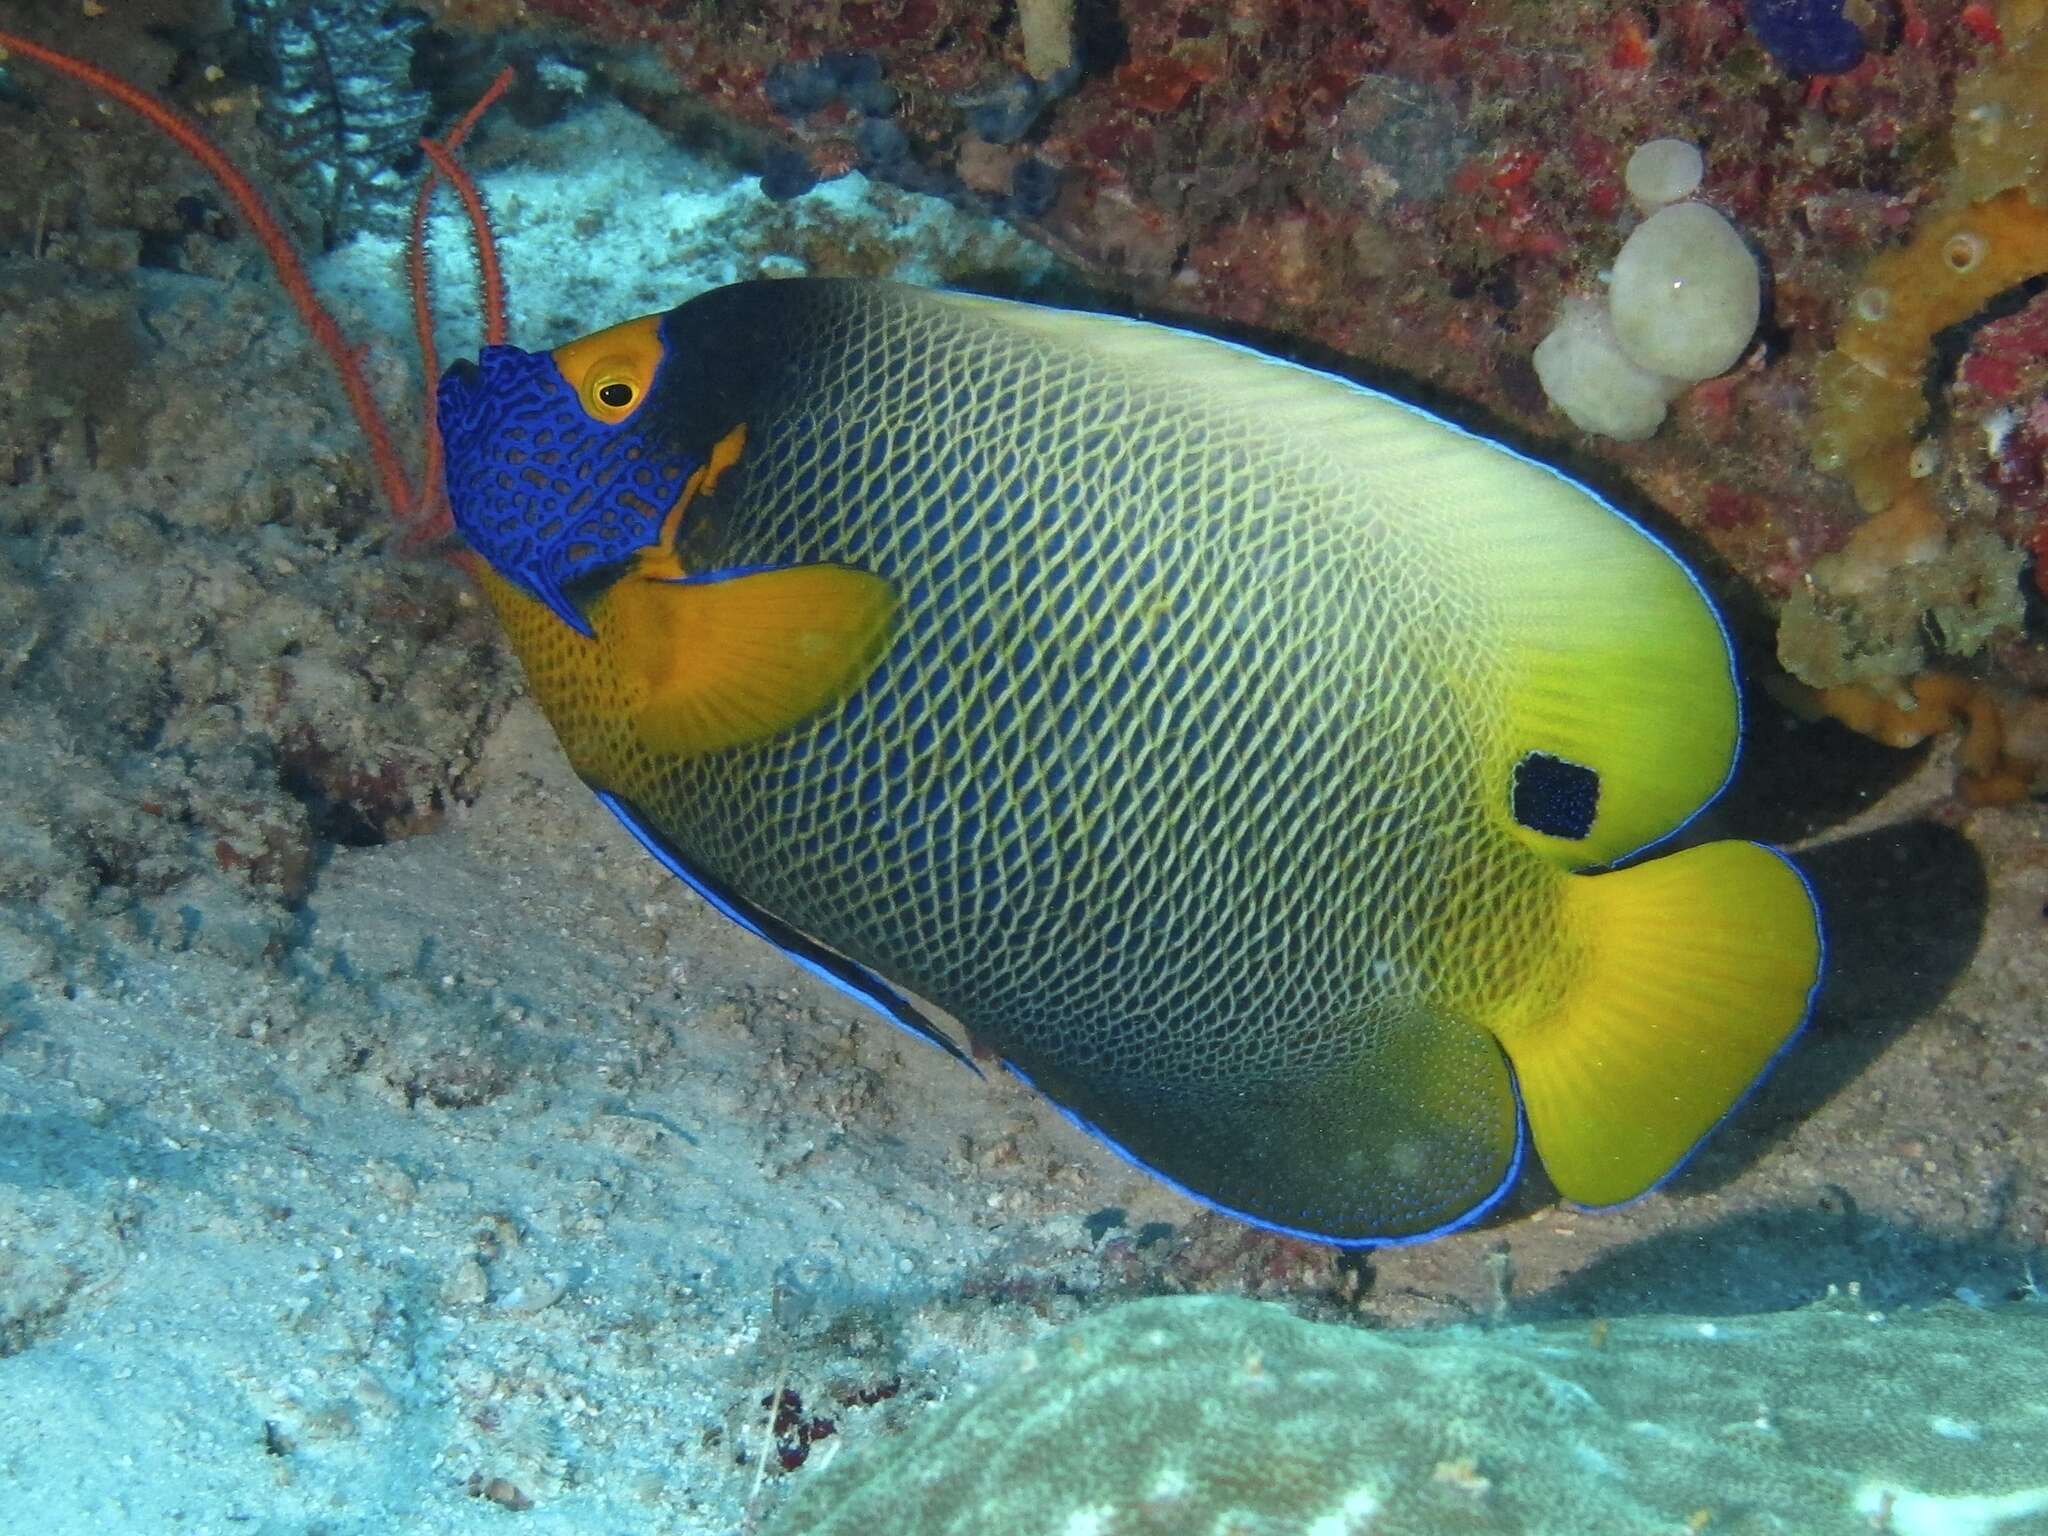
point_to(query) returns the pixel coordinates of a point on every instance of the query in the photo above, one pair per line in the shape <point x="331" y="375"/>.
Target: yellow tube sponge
<point x="1871" y="399"/>
<point x="2001" y="113"/>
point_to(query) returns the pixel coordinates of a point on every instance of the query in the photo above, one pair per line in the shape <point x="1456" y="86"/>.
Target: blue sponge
<point x="1807" y="37"/>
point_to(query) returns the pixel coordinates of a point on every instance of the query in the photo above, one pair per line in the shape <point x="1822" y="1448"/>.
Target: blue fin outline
<point x="856" y="981"/>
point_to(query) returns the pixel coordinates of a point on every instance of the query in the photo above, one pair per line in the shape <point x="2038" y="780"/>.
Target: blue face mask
<point x="546" y="493"/>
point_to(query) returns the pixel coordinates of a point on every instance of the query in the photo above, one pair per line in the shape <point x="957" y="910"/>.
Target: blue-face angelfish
<point x="1236" y="752"/>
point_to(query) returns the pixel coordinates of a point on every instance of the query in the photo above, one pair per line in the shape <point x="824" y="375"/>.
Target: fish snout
<point x="499" y="371"/>
<point x="472" y="398"/>
<point x="459" y="397"/>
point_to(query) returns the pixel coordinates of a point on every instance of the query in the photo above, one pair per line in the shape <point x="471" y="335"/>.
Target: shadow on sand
<point x="1770" y="1261"/>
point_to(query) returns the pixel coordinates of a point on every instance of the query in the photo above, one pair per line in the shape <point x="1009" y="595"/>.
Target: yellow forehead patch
<point x="612" y="370"/>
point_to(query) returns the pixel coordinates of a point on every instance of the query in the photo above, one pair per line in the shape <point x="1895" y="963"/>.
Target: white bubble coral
<point x="1662" y="171"/>
<point x="1686" y="293"/>
<point x="1682" y="305"/>
<point x="1587" y="376"/>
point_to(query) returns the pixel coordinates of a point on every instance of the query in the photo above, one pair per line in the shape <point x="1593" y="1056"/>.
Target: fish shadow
<point x="1797" y="776"/>
<point x="1904" y="910"/>
<point x="1775" y="1260"/>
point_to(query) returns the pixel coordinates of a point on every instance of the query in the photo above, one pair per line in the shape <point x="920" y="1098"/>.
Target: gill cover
<point x="550" y="476"/>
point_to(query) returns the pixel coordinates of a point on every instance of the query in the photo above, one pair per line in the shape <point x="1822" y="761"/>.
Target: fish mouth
<point x="467" y="387"/>
<point x="460" y="399"/>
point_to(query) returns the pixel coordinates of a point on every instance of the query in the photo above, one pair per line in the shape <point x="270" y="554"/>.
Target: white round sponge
<point x="1583" y="371"/>
<point x="1662" y="171"/>
<point x="1686" y="293"/>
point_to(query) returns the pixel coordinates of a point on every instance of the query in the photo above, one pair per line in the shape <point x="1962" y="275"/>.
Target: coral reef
<point x="1872" y="387"/>
<point x="1905" y="583"/>
<point x="353" y="1177"/>
<point x="338" y="98"/>
<point x="1420" y="186"/>
<point x="1994" y="449"/>
<point x="181" y="130"/>
<point x="1682" y="303"/>
<point x="1219" y="1414"/>
<point x="2001" y="110"/>
<point x="1954" y="502"/>
<point x="319" y="694"/>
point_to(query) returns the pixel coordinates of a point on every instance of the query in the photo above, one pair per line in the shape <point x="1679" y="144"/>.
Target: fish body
<point x="1218" y="741"/>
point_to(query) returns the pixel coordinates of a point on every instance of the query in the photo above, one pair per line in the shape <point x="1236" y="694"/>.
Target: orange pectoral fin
<point x="718" y="662"/>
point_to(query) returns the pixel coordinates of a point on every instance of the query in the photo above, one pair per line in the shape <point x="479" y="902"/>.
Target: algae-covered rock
<point x="1858" y="622"/>
<point x="1218" y="1415"/>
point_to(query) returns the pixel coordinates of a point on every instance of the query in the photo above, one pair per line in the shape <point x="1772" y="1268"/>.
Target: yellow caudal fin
<point x="711" y="664"/>
<point x="1680" y="979"/>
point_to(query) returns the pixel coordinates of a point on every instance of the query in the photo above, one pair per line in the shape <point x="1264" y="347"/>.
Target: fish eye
<point x="613" y="387"/>
<point x="612" y="371"/>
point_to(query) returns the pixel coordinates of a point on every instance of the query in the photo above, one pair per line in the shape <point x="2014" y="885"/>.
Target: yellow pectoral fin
<point x="1695" y="970"/>
<point x="712" y="664"/>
